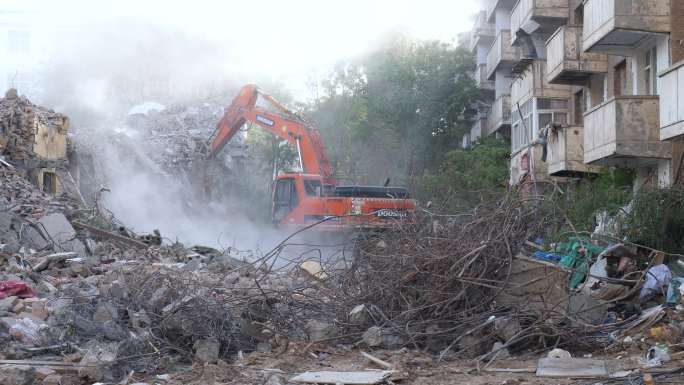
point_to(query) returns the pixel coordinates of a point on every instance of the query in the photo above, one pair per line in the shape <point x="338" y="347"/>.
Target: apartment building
<point x="592" y="83"/>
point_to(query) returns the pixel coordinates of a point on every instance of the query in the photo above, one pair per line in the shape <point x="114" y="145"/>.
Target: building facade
<point x="584" y="84"/>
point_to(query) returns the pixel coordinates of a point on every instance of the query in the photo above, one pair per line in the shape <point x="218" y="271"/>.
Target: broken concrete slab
<point x="56" y="228"/>
<point x="367" y="377"/>
<point x="571" y="367"/>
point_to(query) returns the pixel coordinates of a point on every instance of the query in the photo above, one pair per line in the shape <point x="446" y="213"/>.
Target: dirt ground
<point x="413" y="368"/>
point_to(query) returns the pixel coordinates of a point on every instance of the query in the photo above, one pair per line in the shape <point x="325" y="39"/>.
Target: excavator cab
<point x="285" y="198"/>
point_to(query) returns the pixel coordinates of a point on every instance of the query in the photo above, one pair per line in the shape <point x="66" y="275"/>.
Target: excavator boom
<point x="281" y="122"/>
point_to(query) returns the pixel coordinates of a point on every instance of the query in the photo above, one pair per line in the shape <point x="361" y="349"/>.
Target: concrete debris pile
<point x="21" y="122"/>
<point x="180" y="132"/>
<point x="22" y="198"/>
<point x="34" y="144"/>
<point x="177" y="141"/>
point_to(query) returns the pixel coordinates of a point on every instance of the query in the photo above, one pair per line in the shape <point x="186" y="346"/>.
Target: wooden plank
<point x="351" y="378"/>
<point x="572" y="367"/>
<point x="108" y="234"/>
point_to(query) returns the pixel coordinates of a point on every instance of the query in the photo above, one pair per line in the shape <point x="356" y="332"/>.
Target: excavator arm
<point x="281" y="122"/>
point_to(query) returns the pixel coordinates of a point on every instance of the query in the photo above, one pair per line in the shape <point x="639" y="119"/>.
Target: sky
<point x="288" y="40"/>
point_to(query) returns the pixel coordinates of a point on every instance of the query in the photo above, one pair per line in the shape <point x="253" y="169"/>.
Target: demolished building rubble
<point x="83" y="299"/>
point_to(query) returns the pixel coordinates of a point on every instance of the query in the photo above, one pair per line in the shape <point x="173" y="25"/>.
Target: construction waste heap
<point x="477" y="300"/>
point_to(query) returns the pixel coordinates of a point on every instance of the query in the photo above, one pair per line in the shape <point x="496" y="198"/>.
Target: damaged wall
<point x="33" y="139"/>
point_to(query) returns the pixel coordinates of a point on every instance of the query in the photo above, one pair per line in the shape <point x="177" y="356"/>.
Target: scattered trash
<point x="657" y="356"/>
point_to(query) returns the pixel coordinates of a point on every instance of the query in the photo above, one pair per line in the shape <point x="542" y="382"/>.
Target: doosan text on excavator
<point x="312" y="196"/>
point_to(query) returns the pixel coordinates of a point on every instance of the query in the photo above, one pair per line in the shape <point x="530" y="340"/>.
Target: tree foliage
<point x="395" y="112"/>
<point x="469" y="177"/>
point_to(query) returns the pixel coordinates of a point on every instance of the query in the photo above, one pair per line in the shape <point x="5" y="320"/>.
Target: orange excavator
<point x="306" y="198"/>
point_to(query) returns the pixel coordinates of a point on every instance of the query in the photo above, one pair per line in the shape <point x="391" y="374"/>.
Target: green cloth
<point x="573" y="259"/>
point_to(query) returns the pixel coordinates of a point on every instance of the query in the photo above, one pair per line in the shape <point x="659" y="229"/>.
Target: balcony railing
<point x="538" y="16"/>
<point x="566" y="63"/>
<point x="483" y="32"/>
<point x="481" y="80"/>
<point x="493" y="5"/>
<point x="501" y="55"/>
<point x="500" y="116"/>
<point x="624" y="131"/>
<point x="672" y="102"/>
<point x="618" y="26"/>
<point x="532" y="83"/>
<point x="566" y="152"/>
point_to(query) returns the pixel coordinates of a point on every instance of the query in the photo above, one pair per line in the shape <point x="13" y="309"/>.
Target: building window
<point x="651" y="72"/>
<point x="19" y="41"/>
<point x="533" y="115"/>
<point x="521" y="126"/>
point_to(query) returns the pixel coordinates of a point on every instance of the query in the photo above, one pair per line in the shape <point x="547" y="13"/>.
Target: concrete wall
<point x="51" y="140"/>
<point x="677" y="31"/>
<point x="532" y="83"/>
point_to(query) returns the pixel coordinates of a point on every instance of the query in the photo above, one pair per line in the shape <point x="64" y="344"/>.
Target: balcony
<point x="566" y="63"/>
<point x="500" y="117"/>
<point x="532" y="83"/>
<point x="538" y="17"/>
<point x="481" y="80"/>
<point x="624" y="131"/>
<point x="501" y="55"/>
<point x="619" y="26"/>
<point x="498" y="4"/>
<point x="565" y="156"/>
<point x="482" y="33"/>
<point x="672" y="102"/>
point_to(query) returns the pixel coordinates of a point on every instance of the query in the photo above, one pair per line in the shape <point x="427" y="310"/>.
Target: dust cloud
<point x="97" y="81"/>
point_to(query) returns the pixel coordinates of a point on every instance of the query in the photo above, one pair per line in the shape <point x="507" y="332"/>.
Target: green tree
<point x="469" y="177"/>
<point x="397" y="111"/>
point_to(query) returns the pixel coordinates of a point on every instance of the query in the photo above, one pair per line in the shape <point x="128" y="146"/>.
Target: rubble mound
<point x="20" y="121"/>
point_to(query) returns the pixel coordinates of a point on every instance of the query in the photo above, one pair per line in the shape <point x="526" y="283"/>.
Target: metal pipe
<point x="299" y="152"/>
